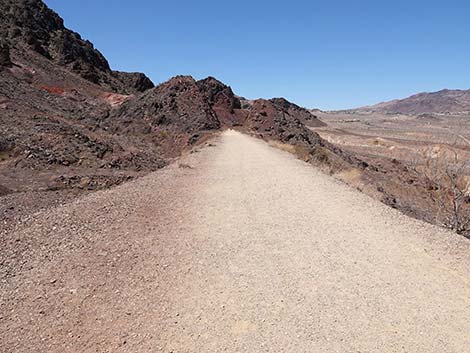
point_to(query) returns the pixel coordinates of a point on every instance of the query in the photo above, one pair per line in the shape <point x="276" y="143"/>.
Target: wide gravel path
<point x="249" y="250"/>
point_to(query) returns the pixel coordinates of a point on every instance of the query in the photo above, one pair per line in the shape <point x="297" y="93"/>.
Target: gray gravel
<point x="249" y="250"/>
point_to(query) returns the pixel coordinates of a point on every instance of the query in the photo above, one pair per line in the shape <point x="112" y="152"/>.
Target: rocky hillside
<point x="445" y="101"/>
<point x="67" y="121"/>
<point x="30" y="24"/>
<point x="307" y="117"/>
<point x="186" y="109"/>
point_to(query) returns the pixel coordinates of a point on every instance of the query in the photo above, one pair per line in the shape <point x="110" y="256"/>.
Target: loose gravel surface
<point x="236" y="248"/>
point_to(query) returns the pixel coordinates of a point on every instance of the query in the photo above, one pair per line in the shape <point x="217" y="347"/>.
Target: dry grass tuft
<point x="282" y="146"/>
<point x="302" y="153"/>
<point x="319" y="156"/>
<point x="351" y="176"/>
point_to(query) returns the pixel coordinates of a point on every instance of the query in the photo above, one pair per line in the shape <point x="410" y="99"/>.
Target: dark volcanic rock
<point x="218" y="93"/>
<point x="300" y="113"/>
<point x="49" y="127"/>
<point x="177" y="106"/>
<point x="136" y="81"/>
<point x="269" y="118"/>
<point x="5" y="59"/>
<point x="31" y="23"/>
<point x="223" y="101"/>
<point x="175" y="114"/>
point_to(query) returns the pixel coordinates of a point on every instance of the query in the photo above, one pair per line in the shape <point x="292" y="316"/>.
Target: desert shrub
<point x="163" y="134"/>
<point x="319" y="156"/>
<point x="282" y="146"/>
<point x="448" y="183"/>
<point x="301" y="152"/>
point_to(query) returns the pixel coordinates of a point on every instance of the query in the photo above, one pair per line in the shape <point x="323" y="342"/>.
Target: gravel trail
<point x="242" y="248"/>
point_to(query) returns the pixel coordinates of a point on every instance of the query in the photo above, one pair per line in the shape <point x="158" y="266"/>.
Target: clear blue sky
<point x="327" y="54"/>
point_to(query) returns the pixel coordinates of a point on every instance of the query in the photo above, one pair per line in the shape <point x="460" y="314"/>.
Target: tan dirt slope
<point x="242" y="248"/>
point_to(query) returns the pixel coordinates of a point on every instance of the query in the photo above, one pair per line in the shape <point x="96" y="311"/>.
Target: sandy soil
<point x="238" y="248"/>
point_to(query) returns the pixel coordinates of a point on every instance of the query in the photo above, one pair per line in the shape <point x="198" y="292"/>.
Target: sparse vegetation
<point x="302" y="153"/>
<point x="414" y="165"/>
<point x="448" y="180"/>
<point x="163" y="134"/>
<point x="317" y="155"/>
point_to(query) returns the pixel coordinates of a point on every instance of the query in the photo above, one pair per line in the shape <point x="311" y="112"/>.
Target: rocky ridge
<point x="31" y="24"/>
<point x="64" y="124"/>
<point x="441" y="102"/>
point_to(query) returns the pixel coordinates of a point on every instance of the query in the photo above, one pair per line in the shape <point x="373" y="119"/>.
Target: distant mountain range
<point x="444" y="101"/>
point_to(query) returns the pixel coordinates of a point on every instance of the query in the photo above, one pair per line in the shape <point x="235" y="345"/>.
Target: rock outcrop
<point x="66" y="118"/>
<point x="178" y="105"/>
<point x="32" y="24"/>
<point x="275" y="121"/>
<point x="304" y="115"/>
